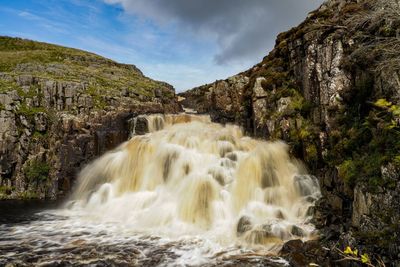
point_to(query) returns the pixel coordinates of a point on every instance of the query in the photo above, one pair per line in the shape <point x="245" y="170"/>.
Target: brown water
<point x="189" y="193"/>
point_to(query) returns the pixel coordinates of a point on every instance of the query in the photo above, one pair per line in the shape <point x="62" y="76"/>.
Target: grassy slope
<point x="20" y="56"/>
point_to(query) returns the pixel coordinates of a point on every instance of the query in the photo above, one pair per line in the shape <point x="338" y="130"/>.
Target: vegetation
<point x="29" y="112"/>
<point x="37" y="171"/>
<point x="47" y="61"/>
<point x="26" y="195"/>
<point x="365" y="131"/>
<point x="353" y="255"/>
<point x="6" y="86"/>
<point x="5" y="190"/>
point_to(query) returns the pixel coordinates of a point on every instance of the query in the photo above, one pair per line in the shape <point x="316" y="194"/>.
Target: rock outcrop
<point x="330" y="88"/>
<point x="60" y="108"/>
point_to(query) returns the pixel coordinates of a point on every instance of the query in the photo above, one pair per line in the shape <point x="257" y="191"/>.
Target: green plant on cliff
<point x="5" y="190"/>
<point x="6" y="86"/>
<point x="29" y="111"/>
<point x="37" y="171"/>
<point x="367" y="145"/>
<point x="354" y="255"/>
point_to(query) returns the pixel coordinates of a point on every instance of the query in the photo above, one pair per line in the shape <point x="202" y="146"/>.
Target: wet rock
<point x="244" y="224"/>
<point x="232" y="156"/>
<point x="310" y="211"/>
<point x="297" y="231"/>
<point x="295" y="245"/>
<point x="218" y="175"/>
<point x="280" y="215"/>
<point x="300" y="253"/>
<point x="306" y="184"/>
<point x="138" y="125"/>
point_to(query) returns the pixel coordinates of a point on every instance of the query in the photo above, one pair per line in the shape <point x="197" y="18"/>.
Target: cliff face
<point x="331" y="89"/>
<point x="60" y="108"/>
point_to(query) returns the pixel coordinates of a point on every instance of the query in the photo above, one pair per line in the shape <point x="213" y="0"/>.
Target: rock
<point x="63" y="112"/>
<point x="361" y="205"/>
<point x="157" y="93"/>
<point x="258" y="90"/>
<point x="306" y="184"/>
<point x="300" y="253"/>
<point x="40" y="119"/>
<point x="138" y="125"/>
<point x="25" y="80"/>
<point x="244" y="224"/>
<point x="297" y="231"/>
<point x="283" y="104"/>
<point x="335" y="202"/>
<point x="291" y="246"/>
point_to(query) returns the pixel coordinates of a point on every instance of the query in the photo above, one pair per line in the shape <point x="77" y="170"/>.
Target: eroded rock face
<point x="223" y="100"/>
<point x="49" y="129"/>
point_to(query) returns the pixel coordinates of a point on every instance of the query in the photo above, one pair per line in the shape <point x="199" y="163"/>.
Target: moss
<point x="37" y="171"/>
<point x="40" y="135"/>
<point x="311" y="153"/>
<point x="300" y="105"/>
<point x="98" y="100"/>
<point x="365" y="144"/>
<point x="348" y="171"/>
<point x="5" y="190"/>
<point x="29" y="112"/>
<point x="6" y="86"/>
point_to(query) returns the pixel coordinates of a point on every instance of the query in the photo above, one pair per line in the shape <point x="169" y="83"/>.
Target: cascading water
<point x="190" y="177"/>
<point x="188" y="193"/>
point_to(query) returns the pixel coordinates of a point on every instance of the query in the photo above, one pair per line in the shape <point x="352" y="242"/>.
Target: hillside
<point x="331" y="89"/>
<point x="61" y="107"/>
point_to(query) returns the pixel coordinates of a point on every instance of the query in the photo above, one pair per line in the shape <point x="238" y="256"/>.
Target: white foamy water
<point x="190" y="178"/>
<point x="190" y="192"/>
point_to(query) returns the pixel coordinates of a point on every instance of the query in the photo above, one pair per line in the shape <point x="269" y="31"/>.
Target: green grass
<point x="6" y="86"/>
<point x="29" y="112"/>
<point x="42" y="60"/>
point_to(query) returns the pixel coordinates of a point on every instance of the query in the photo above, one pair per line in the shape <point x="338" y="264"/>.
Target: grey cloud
<point x="243" y="29"/>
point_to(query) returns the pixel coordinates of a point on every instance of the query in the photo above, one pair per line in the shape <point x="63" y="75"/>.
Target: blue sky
<point x="183" y="42"/>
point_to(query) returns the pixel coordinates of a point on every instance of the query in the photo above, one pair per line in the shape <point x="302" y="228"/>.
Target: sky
<point x="186" y="43"/>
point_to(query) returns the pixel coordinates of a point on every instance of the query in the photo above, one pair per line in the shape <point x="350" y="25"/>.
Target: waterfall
<point x="190" y="177"/>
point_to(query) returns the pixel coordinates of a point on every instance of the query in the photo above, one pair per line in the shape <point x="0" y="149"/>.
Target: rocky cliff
<point x="331" y="89"/>
<point x="60" y="108"/>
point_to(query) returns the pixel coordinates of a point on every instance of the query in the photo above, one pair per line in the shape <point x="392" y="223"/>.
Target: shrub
<point x="37" y="171"/>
